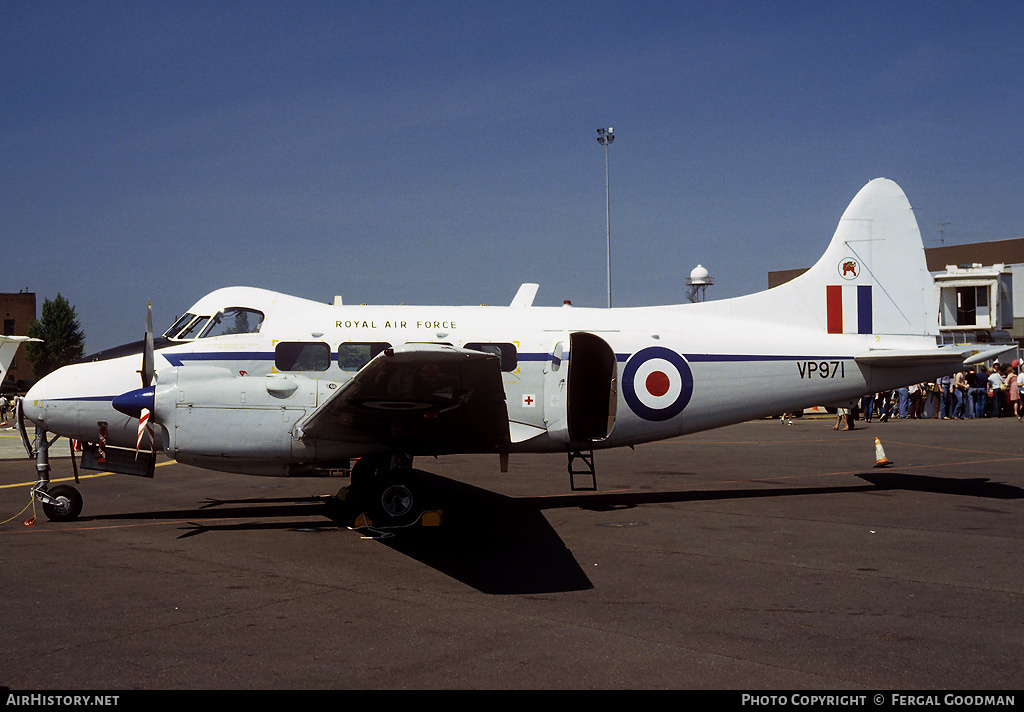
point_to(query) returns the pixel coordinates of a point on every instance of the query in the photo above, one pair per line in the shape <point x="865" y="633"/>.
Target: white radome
<point x="699" y="275"/>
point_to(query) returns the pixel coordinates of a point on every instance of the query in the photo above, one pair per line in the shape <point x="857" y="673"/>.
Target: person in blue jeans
<point x="962" y="389"/>
<point x="945" y="405"/>
<point x="976" y="393"/>
<point x="979" y="394"/>
<point x="904" y="401"/>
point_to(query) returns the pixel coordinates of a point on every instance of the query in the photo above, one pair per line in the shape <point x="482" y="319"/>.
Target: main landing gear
<point x="384" y="488"/>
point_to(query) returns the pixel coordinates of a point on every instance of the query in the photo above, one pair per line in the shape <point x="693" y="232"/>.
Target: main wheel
<point x="67" y="504"/>
<point x="395" y="502"/>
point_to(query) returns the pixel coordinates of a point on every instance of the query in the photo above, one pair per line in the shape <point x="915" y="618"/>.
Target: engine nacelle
<point x="209" y="415"/>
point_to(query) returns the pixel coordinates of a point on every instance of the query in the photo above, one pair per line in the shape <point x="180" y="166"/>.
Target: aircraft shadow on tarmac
<point x="505" y="545"/>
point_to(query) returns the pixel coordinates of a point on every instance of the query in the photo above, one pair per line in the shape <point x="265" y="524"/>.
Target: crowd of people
<point x="982" y="392"/>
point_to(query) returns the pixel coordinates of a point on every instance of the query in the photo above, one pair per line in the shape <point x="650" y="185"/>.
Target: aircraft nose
<point x="33" y="405"/>
<point x="32" y="410"/>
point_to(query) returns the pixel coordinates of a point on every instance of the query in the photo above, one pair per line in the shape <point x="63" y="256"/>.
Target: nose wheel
<point x="62" y="503"/>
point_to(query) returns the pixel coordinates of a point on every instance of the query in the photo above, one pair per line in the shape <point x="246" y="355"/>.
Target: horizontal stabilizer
<point x="900" y="358"/>
<point x="954" y="355"/>
<point x="990" y="354"/>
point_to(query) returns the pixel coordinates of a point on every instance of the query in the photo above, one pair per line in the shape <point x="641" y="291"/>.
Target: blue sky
<point x="445" y="152"/>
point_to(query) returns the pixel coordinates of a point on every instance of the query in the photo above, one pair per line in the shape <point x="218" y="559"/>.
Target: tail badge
<point x="849" y="268"/>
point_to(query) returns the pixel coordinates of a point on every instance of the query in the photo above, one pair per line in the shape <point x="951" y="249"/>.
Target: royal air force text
<point x="394" y="324"/>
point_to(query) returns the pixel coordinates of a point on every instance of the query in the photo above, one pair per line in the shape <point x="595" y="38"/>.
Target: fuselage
<point x="230" y="392"/>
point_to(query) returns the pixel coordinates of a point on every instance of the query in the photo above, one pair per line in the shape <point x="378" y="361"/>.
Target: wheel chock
<point x="362" y="521"/>
<point x="432" y="518"/>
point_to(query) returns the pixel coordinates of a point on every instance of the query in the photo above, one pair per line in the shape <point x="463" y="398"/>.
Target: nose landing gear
<point x="62" y="503"/>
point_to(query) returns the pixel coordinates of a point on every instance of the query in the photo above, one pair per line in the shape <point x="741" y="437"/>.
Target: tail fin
<point x="8" y="347"/>
<point x="873" y="278"/>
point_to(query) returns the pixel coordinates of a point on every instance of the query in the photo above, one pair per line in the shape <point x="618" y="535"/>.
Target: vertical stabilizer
<point x="8" y="347"/>
<point x="873" y="277"/>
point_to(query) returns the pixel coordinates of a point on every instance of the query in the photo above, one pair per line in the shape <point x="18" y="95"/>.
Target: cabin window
<point x="302" y="356"/>
<point x="353" y="355"/>
<point x="557" y="354"/>
<point x="504" y="351"/>
<point x="236" y="320"/>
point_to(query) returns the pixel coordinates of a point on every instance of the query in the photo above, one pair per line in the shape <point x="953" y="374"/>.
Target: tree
<point x="63" y="339"/>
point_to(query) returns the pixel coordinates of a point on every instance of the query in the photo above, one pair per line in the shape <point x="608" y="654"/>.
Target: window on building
<point x="972" y="306"/>
<point x="966" y="307"/>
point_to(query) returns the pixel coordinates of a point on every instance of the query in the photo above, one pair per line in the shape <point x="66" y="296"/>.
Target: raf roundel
<point x="657" y="383"/>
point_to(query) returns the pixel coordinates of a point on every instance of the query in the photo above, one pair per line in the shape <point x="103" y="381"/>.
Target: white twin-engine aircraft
<point x="255" y="382"/>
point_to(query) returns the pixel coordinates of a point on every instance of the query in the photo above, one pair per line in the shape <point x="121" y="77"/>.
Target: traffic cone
<point x="880" y="459"/>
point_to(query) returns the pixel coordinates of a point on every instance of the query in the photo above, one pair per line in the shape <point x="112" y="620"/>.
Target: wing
<point x="420" y="399"/>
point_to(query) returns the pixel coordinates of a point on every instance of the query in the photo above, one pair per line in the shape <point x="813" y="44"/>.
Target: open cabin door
<point x="580" y="389"/>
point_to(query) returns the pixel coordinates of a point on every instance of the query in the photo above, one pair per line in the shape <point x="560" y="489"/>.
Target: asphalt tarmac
<point x="756" y="557"/>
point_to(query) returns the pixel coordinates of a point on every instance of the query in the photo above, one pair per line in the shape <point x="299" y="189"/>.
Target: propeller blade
<point x="147" y="353"/>
<point x="143" y="430"/>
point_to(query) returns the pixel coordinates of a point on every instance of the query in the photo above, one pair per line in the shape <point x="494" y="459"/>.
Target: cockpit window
<point x="179" y="325"/>
<point x="236" y="320"/>
<point x="193" y="329"/>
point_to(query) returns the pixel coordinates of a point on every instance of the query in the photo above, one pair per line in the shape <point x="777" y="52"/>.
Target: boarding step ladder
<point x="587" y="468"/>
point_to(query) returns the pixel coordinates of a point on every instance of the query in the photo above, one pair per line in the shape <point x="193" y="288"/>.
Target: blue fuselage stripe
<point x="180" y="359"/>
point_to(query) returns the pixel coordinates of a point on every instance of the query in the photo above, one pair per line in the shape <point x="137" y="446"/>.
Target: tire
<point x="68" y="504"/>
<point x="395" y="502"/>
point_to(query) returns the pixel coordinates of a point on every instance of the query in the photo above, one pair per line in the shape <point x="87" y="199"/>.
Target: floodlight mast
<point x="605" y="138"/>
